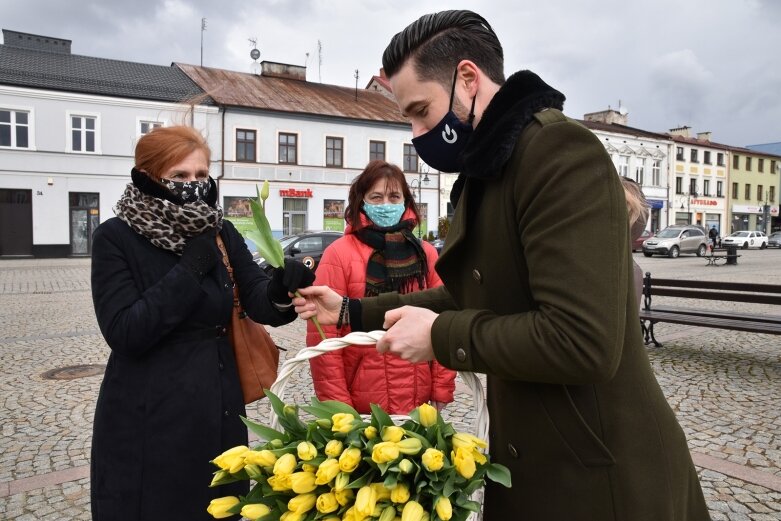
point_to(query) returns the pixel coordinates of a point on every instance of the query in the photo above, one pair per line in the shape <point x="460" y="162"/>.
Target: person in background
<point x="378" y="254"/>
<point x="537" y="292"/>
<point x="637" y="210"/>
<point x="171" y="399"/>
<point x="713" y="235"/>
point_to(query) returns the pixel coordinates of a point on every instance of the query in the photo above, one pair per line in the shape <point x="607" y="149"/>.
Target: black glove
<point x="201" y="254"/>
<point x="288" y="279"/>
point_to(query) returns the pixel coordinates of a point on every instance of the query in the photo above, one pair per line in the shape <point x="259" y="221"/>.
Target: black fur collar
<point x="511" y="109"/>
<point x="150" y="186"/>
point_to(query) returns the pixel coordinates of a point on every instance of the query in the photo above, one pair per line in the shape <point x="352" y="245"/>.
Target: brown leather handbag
<point x="257" y="357"/>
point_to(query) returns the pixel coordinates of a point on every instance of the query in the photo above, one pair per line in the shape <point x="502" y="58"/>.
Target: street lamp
<point x="418" y="183"/>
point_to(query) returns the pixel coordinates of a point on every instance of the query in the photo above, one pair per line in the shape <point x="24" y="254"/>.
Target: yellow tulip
<point x="232" y="460"/>
<point x="255" y="510"/>
<point x="280" y="483"/>
<point x="406" y="466"/>
<point x="342" y="422"/>
<point x="413" y="511"/>
<point x="385" y="452"/>
<point x="306" y="467"/>
<point x="333" y="448"/>
<point x="349" y="515"/>
<point x="302" y="503"/>
<point x="219" y="507"/>
<point x="327" y="503"/>
<point x="253" y="471"/>
<point x="341" y="481"/>
<point x="400" y="493"/>
<point x="464" y="462"/>
<point x="433" y="459"/>
<point x="388" y="514"/>
<point x="365" y="501"/>
<point x="382" y="492"/>
<point x="392" y="433"/>
<point x="345" y="496"/>
<point x="292" y="516"/>
<point x="443" y="508"/>
<point x="331" y="518"/>
<point x="428" y="415"/>
<point x="326" y="471"/>
<point x="302" y="482"/>
<point x="285" y="465"/>
<point x="306" y="451"/>
<point x="370" y="432"/>
<point x="262" y="458"/>
<point x="466" y="440"/>
<point x="219" y="476"/>
<point x="324" y="423"/>
<point x="350" y="459"/>
<point x="410" y="446"/>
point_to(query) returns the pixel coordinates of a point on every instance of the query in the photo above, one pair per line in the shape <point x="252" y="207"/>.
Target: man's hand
<point x="409" y="334"/>
<point x="318" y="301"/>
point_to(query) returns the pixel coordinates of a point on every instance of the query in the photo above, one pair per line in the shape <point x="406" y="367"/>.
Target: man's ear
<point x="468" y="77"/>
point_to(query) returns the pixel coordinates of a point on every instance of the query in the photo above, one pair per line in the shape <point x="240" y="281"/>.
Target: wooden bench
<point x="708" y="290"/>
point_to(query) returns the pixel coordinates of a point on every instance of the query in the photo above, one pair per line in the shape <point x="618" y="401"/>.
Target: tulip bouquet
<point x="341" y="466"/>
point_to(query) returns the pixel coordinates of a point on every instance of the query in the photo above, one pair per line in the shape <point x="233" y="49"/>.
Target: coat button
<point x="477" y="275"/>
<point x="461" y="354"/>
<point x="227" y="413"/>
<point x="513" y="451"/>
<point x="221" y="366"/>
<point x="227" y="286"/>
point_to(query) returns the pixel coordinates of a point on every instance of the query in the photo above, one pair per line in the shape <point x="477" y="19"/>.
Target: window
<point x="334" y="148"/>
<point x="747" y="192"/>
<point x="83" y="133"/>
<point x="14" y="128"/>
<point x="623" y="166"/>
<point x="772" y="194"/>
<point x="656" y="172"/>
<point x="720" y="159"/>
<point x="760" y="165"/>
<point x="719" y="189"/>
<point x="640" y="170"/>
<point x="410" y="158"/>
<point x="288" y="148"/>
<point x="759" y="193"/>
<point x="376" y="150"/>
<point x="735" y="190"/>
<point x="772" y="167"/>
<point x="145" y="127"/>
<point x="694" y="156"/>
<point x="706" y="188"/>
<point x="748" y="164"/>
<point x="706" y="157"/>
<point x="693" y="187"/>
<point x="736" y="161"/>
<point x="679" y="153"/>
<point x="245" y="145"/>
<point x="679" y="185"/>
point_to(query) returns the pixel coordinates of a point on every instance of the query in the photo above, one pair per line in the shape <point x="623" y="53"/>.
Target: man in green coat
<point x="538" y="289"/>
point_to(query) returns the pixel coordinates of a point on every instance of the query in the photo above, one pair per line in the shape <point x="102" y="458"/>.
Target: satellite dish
<point x="254" y="54"/>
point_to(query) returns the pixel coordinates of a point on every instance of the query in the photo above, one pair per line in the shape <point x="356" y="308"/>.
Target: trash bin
<point x="732" y="254"/>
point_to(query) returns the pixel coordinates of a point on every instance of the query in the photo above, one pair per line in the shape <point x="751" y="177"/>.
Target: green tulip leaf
<point x="500" y="474"/>
<point x="380" y="418"/>
<point x="267" y="245"/>
<point x="263" y="432"/>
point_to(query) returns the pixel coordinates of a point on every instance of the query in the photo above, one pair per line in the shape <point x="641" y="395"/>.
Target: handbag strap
<point x="227" y="262"/>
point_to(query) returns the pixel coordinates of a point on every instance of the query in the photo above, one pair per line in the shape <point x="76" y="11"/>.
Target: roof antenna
<point x="254" y="54"/>
<point x="319" y="60"/>
<point x="356" y="84"/>
<point x="203" y="28"/>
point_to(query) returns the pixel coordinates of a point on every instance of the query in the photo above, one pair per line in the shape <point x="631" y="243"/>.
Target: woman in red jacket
<point x="378" y="254"/>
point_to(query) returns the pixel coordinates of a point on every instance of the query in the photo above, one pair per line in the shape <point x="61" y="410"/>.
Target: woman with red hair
<point x="171" y="399"/>
<point x="378" y="254"/>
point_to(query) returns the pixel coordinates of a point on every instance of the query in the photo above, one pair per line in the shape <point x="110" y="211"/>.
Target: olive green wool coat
<point x="539" y="296"/>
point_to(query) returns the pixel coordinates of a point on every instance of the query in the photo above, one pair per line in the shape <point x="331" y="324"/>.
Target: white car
<point x="746" y="240"/>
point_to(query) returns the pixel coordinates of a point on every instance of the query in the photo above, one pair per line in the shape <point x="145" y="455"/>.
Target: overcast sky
<point x="710" y="64"/>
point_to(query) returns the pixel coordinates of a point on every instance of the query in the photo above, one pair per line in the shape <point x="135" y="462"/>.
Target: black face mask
<point x="441" y="146"/>
<point x="189" y="191"/>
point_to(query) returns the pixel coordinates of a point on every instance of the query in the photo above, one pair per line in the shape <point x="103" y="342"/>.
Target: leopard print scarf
<point x="166" y="224"/>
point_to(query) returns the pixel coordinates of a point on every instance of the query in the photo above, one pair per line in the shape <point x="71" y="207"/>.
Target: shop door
<point x="294" y="213"/>
<point x="84" y="218"/>
<point x="16" y="222"/>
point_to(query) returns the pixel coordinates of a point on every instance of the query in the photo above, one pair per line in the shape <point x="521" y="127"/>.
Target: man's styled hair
<point x="438" y="41"/>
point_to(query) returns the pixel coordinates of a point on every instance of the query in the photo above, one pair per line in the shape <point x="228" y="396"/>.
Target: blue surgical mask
<point x="384" y="215"/>
<point x="441" y="146"/>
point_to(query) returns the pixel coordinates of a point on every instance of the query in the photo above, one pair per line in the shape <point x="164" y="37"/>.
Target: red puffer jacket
<point x="359" y="375"/>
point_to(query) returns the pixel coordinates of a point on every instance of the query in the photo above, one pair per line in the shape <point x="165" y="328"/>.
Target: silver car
<point x="774" y="240"/>
<point x="677" y="239"/>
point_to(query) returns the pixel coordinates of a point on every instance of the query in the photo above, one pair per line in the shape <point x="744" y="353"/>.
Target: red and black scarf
<point x="398" y="261"/>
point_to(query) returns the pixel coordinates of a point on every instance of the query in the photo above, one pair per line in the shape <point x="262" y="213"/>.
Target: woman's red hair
<point x="164" y="147"/>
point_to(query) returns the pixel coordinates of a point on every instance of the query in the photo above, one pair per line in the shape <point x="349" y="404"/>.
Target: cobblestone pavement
<point x="723" y="385"/>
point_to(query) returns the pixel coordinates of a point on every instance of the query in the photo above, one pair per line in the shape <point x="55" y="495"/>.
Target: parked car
<point x="774" y="241"/>
<point x="677" y="239"/>
<point x="253" y="249"/>
<point x="438" y="244"/>
<point x="745" y="240"/>
<point x="637" y="244"/>
<point x="307" y="247"/>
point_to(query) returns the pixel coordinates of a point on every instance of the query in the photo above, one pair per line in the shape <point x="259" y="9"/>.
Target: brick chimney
<point x="36" y="42"/>
<point x="680" y="131"/>
<point x="704" y="136"/>
<point x="282" y="70"/>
